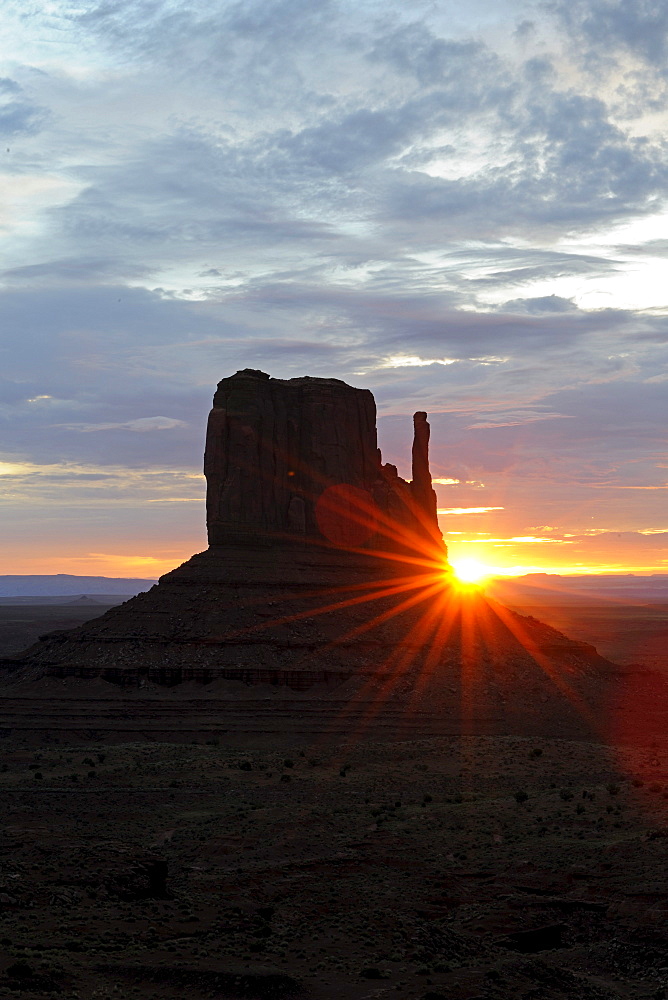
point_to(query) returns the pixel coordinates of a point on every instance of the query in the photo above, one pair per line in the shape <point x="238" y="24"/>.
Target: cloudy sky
<point x="459" y="206"/>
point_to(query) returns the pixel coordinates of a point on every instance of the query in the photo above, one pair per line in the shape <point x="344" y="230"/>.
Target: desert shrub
<point x="565" y="794"/>
<point x="612" y="788"/>
<point x="521" y="796"/>
<point x="20" y="970"/>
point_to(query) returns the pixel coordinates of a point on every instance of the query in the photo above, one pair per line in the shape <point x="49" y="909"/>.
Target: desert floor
<point x="165" y="845"/>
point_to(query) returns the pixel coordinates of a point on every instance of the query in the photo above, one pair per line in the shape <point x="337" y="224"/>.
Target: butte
<point x="326" y="573"/>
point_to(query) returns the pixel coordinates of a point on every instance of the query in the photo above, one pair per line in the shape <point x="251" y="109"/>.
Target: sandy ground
<point x="627" y="634"/>
<point x="22" y="624"/>
<point x="263" y="844"/>
<point x="321" y="866"/>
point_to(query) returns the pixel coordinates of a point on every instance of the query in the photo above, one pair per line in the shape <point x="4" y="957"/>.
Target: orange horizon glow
<point x="148" y="563"/>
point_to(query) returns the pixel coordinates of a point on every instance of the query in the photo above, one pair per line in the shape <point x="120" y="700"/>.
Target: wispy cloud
<point x="467" y="510"/>
<point x="141" y="425"/>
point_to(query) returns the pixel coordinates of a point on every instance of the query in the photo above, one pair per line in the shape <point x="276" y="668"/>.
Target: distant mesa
<point x="61" y="585"/>
<point x="324" y="565"/>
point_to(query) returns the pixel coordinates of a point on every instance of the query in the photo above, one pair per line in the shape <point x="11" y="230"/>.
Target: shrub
<point x="521" y="796"/>
<point x="20" y="970"/>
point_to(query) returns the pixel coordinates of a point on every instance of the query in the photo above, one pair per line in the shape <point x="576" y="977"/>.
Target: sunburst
<point x="471" y="571"/>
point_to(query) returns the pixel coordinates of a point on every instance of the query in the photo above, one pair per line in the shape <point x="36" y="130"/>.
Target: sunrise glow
<point x="471" y="570"/>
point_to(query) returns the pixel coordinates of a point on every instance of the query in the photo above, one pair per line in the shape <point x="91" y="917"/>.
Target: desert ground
<point x="626" y="634"/>
<point x="251" y="843"/>
<point x="22" y="621"/>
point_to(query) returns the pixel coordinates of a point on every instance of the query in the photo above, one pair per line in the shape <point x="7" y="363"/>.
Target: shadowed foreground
<point x="272" y="864"/>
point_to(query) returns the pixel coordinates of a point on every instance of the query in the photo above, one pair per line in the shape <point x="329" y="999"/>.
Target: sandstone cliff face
<point x="297" y="460"/>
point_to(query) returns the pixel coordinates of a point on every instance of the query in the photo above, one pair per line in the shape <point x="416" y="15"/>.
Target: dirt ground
<point x="265" y="844"/>
<point x="627" y="634"/>
<point x="22" y="624"/>
<point x="307" y="866"/>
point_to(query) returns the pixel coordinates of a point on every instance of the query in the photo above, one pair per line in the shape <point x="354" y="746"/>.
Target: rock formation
<point x="298" y="461"/>
<point x="323" y="564"/>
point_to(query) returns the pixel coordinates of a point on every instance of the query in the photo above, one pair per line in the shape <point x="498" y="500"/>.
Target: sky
<point x="462" y="207"/>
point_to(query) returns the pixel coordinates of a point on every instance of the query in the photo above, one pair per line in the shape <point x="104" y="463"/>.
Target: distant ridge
<point x="64" y="585"/>
<point x="538" y="588"/>
<point x="549" y="588"/>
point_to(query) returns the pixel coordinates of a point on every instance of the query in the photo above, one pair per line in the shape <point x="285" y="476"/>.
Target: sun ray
<point x="452" y="627"/>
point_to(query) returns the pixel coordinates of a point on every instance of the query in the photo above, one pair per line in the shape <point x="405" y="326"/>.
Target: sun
<point x="471" y="570"/>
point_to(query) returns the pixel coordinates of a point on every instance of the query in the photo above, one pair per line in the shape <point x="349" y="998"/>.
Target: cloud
<point x="141" y="425"/>
<point x="514" y="418"/>
<point x="467" y="510"/>
<point x="18" y="116"/>
<point x="540" y="304"/>
<point x="605" y="26"/>
<point x="414" y="49"/>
